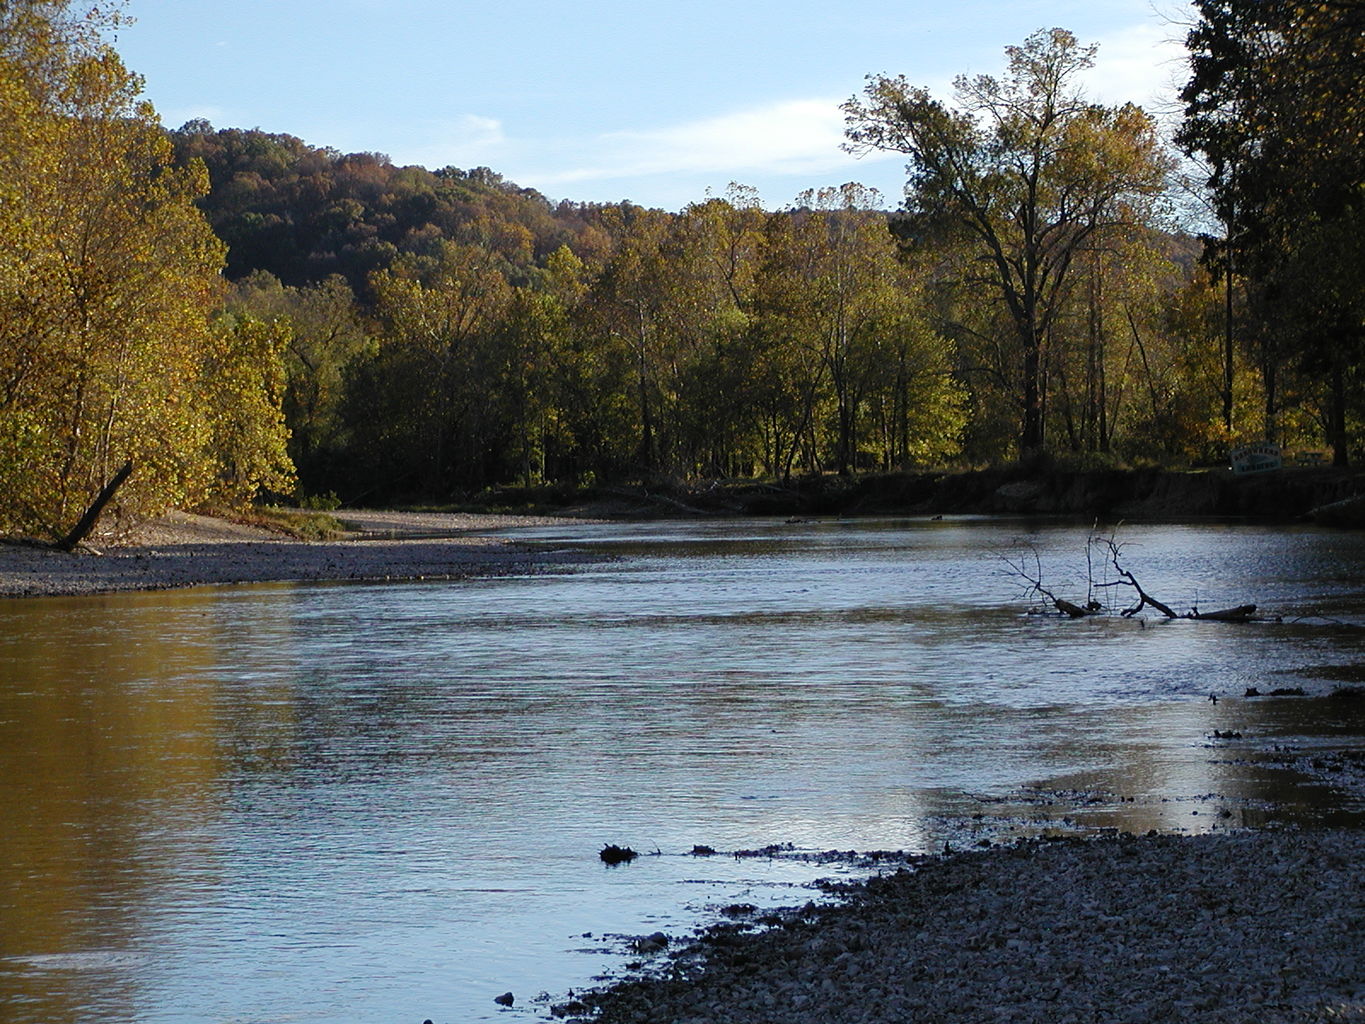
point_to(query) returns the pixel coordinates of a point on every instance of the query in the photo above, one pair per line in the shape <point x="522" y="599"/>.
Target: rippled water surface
<point x="384" y="803"/>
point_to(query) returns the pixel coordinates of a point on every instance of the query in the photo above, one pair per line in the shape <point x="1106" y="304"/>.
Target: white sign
<point x="1261" y="457"/>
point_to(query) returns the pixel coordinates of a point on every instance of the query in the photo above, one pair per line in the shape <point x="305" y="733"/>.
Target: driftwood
<point x="612" y="854"/>
<point x="1075" y="611"/>
<point x="82" y="529"/>
<point x="1033" y="577"/>
<point x="1126" y="578"/>
<point x="1242" y="613"/>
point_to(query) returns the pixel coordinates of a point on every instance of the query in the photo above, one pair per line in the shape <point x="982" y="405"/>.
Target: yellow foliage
<point x="108" y="276"/>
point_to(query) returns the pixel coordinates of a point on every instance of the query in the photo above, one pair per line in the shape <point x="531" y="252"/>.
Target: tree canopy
<point x="1276" y="106"/>
<point x="107" y="284"/>
<point x="1027" y="173"/>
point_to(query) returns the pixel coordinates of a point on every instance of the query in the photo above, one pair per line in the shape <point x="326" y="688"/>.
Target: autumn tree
<point x="592" y="430"/>
<point x="629" y="304"/>
<point x="840" y="294"/>
<point x="323" y="335"/>
<point x="1276" y="106"/>
<point x="1027" y="172"/>
<point x="789" y="373"/>
<point x="107" y="282"/>
<point x="245" y="361"/>
<point x="421" y="408"/>
<point x="715" y="247"/>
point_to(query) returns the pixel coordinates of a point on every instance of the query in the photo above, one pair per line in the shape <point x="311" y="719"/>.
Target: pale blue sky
<point x="603" y="100"/>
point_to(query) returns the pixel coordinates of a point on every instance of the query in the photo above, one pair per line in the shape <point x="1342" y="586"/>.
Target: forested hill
<point x="303" y="213"/>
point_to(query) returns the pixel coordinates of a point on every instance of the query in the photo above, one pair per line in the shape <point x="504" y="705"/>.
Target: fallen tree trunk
<point x="1076" y="611"/>
<point x="92" y="515"/>
<point x="1033" y="577"/>
<point x="1242" y="613"/>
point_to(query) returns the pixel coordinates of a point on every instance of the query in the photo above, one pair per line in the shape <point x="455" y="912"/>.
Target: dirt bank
<point x="1288" y="495"/>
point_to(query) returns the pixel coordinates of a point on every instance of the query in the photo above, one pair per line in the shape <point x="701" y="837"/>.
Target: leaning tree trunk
<point x="87" y="523"/>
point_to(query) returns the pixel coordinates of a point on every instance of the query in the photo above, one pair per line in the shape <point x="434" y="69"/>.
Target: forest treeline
<point x="237" y="312"/>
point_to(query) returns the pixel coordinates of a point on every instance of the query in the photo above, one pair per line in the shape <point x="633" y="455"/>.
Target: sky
<point x="660" y="102"/>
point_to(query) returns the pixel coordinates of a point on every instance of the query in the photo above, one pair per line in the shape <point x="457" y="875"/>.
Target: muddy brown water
<point x="380" y="803"/>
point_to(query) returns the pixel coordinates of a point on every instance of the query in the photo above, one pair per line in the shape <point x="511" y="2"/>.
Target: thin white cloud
<point x="788" y="137"/>
<point x="777" y="143"/>
<point x="1144" y="64"/>
<point x="470" y="140"/>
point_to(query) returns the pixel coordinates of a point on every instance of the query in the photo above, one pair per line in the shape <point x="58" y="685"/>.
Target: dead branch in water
<point x="1032" y="577"/>
<point x="1035" y="588"/>
<point x="1242" y="613"/>
<point x="1126" y="578"/>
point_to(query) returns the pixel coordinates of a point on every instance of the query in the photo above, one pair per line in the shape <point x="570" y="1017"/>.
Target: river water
<point x="384" y="803"/>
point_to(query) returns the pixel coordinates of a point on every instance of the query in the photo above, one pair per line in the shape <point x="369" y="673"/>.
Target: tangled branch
<point x="1126" y="578"/>
<point x="1032" y="577"/>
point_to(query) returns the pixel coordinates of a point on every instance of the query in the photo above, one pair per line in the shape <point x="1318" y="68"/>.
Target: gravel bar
<point x="182" y="550"/>
<point x="1259" y="927"/>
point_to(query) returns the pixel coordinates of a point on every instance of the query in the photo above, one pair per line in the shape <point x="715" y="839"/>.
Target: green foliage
<point x="302" y="525"/>
<point x="243" y="382"/>
<point x="325" y="334"/>
<point x="328" y="502"/>
<point x="1276" y="106"/>
<point x="1025" y="175"/>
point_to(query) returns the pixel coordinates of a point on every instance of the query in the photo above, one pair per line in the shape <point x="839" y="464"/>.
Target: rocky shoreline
<point x="182" y="550"/>
<point x="1225" y="927"/>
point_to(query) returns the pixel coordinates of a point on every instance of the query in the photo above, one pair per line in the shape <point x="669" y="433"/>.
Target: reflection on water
<point x="382" y="803"/>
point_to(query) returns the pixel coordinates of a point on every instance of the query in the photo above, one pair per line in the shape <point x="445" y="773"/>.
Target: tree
<point x="852" y="351"/>
<point x="1276" y="105"/>
<point x="629" y="303"/>
<point x="714" y="249"/>
<point x="1027" y="172"/>
<point x="790" y="375"/>
<point x="244" y="376"/>
<point x="595" y="435"/>
<point x="107" y="281"/>
<point x="324" y="336"/>
<point x="422" y="407"/>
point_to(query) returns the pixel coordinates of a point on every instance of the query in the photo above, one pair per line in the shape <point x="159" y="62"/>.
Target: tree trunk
<point x="1227" y="350"/>
<point x="1336" y="427"/>
<point x="1031" y="439"/>
<point x="92" y="514"/>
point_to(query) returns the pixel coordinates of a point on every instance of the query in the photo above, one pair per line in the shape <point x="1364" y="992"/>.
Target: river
<point x="384" y="803"/>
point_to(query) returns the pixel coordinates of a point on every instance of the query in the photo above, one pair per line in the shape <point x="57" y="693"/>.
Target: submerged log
<point x="1242" y="613"/>
<point x="1074" y="610"/>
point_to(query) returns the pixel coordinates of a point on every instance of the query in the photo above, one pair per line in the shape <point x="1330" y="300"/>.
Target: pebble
<point x="1079" y="931"/>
